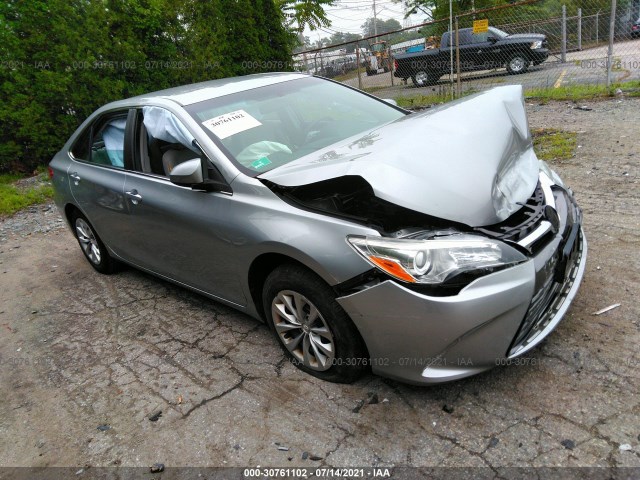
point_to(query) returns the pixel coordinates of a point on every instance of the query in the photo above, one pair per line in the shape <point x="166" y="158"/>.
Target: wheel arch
<point x="69" y="209"/>
<point x="260" y="269"/>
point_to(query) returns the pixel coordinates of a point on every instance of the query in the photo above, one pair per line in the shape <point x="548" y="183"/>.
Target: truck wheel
<point x="517" y="64"/>
<point x="370" y="72"/>
<point x="423" y="78"/>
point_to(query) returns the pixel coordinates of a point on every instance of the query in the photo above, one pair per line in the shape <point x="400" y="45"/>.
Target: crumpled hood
<point x="469" y="161"/>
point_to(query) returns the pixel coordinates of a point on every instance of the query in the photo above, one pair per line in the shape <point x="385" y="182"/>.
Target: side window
<point x="80" y="150"/>
<point x="480" y="37"/>
<point x="164" y="141"/>
<point x="107" y="144"/>
<point x="465" y="37"/>
<point x="445" y="40"/>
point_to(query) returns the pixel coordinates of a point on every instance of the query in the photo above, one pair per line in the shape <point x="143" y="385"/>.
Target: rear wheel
<point x="312" y="328"/>
<point x="422" y="78"/>
<point x="91" y="245"/>
<point x="517" y="64"/>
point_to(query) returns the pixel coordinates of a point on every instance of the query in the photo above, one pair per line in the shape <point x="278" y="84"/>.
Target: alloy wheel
<point x="422" y="78"/>
<point x="88" y="241"/>
<point x="303" y="330"/>
<point x="517" y="64"/>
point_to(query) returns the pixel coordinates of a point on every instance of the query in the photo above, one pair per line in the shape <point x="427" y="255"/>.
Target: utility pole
<point x="375" y="19"/>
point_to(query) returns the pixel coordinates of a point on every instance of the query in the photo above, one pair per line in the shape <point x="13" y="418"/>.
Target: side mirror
<point x="492" y="39"/>
<point x="187" y="174"/>
<point x="199" y="174"/>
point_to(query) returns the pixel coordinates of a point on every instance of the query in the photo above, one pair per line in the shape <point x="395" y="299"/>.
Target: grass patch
<point x="421" y="101"/>
<point x="15" y="196"/>
<point x="554" y="145"/>
<point x="373" y="89"/>
<point x="580" y="92"/>
<point x="349" y="75"/>
<point x="574" y="93"/>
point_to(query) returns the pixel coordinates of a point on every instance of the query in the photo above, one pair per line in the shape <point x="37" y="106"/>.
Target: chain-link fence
<point x="536" y="43"/>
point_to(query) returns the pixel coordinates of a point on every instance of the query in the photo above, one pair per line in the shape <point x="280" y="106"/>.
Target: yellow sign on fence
<point x="480" y="26"/>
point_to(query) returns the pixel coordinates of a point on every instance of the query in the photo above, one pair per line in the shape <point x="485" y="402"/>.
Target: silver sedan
<point x="425" y="247"/>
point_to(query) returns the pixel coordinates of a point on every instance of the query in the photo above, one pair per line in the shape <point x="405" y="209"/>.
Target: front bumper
<point x="421" y="339"/>
<point x="539" y="55"/>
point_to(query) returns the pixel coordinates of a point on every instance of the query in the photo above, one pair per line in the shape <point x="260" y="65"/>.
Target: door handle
<point x="75" y="177"/>
<point x="134" y="196"/>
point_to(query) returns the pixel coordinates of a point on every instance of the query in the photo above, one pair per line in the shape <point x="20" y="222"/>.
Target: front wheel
<point x="312" y="328"/>
<point x="517" y="64"/>
<point x="91" y="245"/>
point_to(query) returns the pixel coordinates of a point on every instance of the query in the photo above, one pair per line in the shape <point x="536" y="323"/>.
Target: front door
<point x="175" y="231"/>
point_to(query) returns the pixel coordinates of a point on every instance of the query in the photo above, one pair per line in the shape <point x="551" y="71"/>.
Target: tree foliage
<point x="439" y="9"/>
<point x="301" y="14"/>
<point x="61" y="59"/>
<point x="383" y="26"/>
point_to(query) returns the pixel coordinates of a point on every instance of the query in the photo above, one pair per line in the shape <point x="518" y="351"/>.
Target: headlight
<point x="436" y="260"/>
<point x="549" y="172"/>
<point x="536" y="44"/>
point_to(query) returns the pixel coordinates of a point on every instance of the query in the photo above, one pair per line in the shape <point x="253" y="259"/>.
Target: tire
<point x="92" y="247"/>
<point x="517" y="64"/>
<point x="370" y="72"/>
<point x="422" y="78"/>
<point x="324" y="343"/>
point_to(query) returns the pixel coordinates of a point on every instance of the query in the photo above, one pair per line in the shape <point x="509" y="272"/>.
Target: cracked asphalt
<point x="86" y="360"/>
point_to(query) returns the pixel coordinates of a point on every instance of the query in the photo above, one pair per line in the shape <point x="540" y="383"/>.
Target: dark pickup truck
<point x="478" y="51"/>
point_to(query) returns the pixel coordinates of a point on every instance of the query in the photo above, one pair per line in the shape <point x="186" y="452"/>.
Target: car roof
<point x="198" y="92"/>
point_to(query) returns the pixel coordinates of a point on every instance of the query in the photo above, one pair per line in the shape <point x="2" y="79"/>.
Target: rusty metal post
<point x="458" y="88"/>
<point x="358" y="62"/>
<point x="612" y="28"/>
<point x="306" y="65"/>
<point x="563" y="47"/>
<point x="451" y="48"/>
<point x="390" y="60"/>
<point x="579" y="29"/>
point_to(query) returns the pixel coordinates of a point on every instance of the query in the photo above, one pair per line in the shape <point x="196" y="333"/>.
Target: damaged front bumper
<point x="424" y="339"/>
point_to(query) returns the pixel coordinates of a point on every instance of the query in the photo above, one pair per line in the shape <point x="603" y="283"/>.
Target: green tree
<point x="61" y="59"/>
<point x="300" y="14"/>
<point x="383" y="26"/>
<point x="342" y="37"/>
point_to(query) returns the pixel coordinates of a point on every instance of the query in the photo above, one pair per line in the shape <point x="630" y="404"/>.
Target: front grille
<point x="521" y="223"/>
<point x="556" y="277"/>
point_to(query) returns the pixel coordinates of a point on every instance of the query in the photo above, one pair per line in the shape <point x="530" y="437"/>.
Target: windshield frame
<point x="499" y="33"/>
<point x="192" y="111"/>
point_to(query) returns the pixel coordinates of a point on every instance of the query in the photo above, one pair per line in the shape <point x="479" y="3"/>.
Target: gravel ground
<point x="36" y="219"/>
<point x="86" y="360"/>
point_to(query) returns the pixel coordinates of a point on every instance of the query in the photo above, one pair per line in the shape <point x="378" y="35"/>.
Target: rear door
<point x="97" y="175"/>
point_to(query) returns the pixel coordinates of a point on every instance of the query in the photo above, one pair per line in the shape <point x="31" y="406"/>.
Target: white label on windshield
<point x="224" y="126"/>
